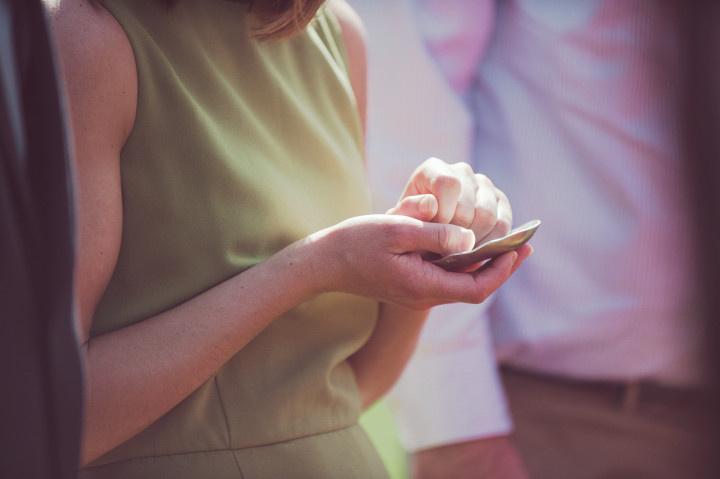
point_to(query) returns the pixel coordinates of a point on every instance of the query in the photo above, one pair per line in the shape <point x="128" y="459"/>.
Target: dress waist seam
<point x="227" y="449"/>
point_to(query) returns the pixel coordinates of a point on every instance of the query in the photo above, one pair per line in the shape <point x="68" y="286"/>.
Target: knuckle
<point x="464" y="168"/>
<point x="501" y="196"/>
<point x="448" y="182"/>
<point x="431" y="164"/>
<point x="443" y="237"/>
<point x="503" y="203"/>
<point x="483" y="180"/>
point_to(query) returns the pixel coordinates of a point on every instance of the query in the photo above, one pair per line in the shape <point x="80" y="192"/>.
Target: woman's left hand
<point x="453" y="193"/>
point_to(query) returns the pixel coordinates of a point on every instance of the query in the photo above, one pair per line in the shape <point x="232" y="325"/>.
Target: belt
<point x="628" y="395"/>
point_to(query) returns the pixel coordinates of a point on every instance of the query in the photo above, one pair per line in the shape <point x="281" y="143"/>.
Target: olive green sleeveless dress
<point x="240" y="148"/>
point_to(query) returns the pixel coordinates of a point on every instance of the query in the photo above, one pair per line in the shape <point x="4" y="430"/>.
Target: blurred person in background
<point x="587" y="364"/>
<point x="41" y="401"/>
<point x="237" y="308"/>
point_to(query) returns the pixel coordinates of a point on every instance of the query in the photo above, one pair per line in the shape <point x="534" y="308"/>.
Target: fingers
<point x="447" y="188"/>
<point x="490" y="278"/>
<point x="504" y="215"/>
<point x="465" y="209"/>
<point x="421" y="207"/>
<point x="524" y="252"/>
<point x="473" y="288"/>
<point x="476" y="287"/>
<point x="494" y="273"/>
<point x="486" y="207"/>
<point x="503" y="221"/>
<point x="487" y="280"/>
<point x="442" y="239"/>
<point x="437" y="178"/>
<point x="464" y="198"/>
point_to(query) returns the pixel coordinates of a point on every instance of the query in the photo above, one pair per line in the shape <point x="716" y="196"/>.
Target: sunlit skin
<point x="137" y="374"/>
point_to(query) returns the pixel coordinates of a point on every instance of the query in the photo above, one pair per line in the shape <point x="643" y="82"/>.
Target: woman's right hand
<point x="379" y="256"/>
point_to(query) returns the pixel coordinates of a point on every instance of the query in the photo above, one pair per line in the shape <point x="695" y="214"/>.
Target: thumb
<point x="420" y="207"/>
<point x="439" y="238"/>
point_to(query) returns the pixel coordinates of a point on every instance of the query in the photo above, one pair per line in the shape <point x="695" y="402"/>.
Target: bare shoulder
<point x="352" y="27"/>
<point x="98" y="66"/>
<point x="353" y="34"/>
<point x="99" y="76"/>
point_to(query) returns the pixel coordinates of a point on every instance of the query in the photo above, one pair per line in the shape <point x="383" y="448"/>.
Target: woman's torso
<point x="239" y="148"/>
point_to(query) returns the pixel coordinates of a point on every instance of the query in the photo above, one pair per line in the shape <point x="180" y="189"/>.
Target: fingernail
<point x="468" y="240"/>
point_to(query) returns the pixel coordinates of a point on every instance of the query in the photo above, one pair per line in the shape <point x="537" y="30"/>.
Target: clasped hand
<point x="444" y="209"/>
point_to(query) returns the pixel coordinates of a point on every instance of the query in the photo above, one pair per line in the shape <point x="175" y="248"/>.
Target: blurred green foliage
<point x="380" y="426"/>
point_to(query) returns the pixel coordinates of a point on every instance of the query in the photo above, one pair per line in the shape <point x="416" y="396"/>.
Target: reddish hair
<point x="272" y="18"/>
<point x="282" y="18"/>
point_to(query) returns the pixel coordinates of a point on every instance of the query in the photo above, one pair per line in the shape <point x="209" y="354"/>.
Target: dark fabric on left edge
<point x="40" y="410"/>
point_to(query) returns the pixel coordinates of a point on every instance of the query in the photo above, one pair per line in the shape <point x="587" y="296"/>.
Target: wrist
<point x="322" y="261"/>
<point x="310" y="259"/>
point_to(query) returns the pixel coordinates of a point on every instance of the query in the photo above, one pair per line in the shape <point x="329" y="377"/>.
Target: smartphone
<point x="490" y="249"/>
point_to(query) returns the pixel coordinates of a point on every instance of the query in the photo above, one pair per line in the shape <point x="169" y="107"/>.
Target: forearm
<point x="381" y="361"/>
<point x="138" y="373"/>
